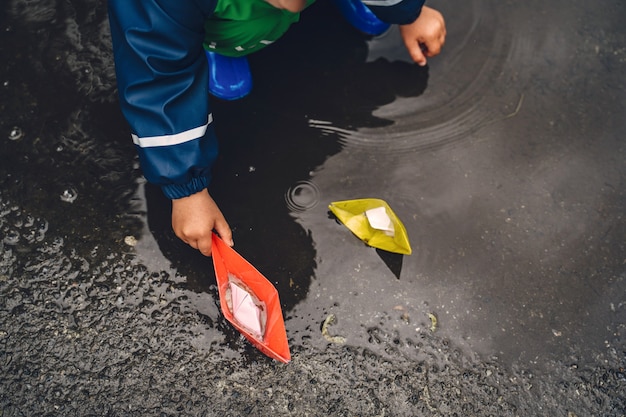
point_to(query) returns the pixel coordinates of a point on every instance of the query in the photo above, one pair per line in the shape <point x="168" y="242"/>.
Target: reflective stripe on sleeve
<point x="381" y="2"/>
<point x="176" y="139"/>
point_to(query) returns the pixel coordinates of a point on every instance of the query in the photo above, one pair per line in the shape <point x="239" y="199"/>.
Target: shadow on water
<point x="268" y="149"/>
<point x="392" y="260"/>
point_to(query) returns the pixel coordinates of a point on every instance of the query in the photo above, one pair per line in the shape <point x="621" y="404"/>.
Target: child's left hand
<point x="424" y="37"/>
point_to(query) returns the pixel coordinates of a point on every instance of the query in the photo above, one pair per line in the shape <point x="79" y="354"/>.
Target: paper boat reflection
<point x="373" y="221"/>
<point x="254" y="307"/>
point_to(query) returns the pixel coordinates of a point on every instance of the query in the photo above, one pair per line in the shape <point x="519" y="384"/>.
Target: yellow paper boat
<point x="373" y="221"/>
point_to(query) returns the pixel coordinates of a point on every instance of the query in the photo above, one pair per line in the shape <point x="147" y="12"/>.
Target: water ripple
<point x="302" y="196"/>
<point x="473" y="84"/>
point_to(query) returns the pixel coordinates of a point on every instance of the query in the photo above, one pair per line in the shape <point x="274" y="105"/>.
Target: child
<point x="163" y="76"/>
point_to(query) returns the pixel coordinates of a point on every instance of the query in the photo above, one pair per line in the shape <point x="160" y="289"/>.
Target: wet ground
<point x="504" y="158"/>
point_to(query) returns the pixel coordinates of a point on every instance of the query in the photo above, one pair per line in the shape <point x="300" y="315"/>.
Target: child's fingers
<point x="417" y="52"/>
<point x="204" y="246"/>
<point x="433" y="48"/>
<point x="223" y="230"/>
<point x="414" y="44"/>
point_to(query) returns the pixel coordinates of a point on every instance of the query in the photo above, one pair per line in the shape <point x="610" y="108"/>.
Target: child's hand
<point x="195" y="217"/>
<point x="424" y="37"/>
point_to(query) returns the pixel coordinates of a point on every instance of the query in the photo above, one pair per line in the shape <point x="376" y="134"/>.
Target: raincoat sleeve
<point x="400" y="12"/>
<point x="162" y="82"/>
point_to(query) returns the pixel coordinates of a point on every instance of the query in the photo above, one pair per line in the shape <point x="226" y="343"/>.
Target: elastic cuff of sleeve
<point x="174" y="191"/>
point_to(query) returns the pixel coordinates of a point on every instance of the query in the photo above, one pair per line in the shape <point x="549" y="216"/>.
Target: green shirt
<point x="240" y="27"/>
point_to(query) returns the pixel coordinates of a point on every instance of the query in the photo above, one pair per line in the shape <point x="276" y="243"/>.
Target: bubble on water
<point x="69" y="195"/>
<point x="30" y="236"/>
<point x="304" y="195"/>
<point x="16" y="133"/>
<point x="29" y="221"/>
<point x="57" y="243"/>
<point x="42" y="227"/>
<point x="11" y="237"/>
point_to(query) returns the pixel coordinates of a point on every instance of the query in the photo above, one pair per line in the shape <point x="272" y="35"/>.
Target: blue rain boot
<point x="362" y="18"/>
<point x="229" y="78"/>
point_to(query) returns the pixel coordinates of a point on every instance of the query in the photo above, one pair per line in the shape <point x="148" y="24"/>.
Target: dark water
<point x="504" y="158"/>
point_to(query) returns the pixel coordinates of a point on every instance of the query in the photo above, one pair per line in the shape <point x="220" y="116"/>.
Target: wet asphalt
<point x="504" y="158"/>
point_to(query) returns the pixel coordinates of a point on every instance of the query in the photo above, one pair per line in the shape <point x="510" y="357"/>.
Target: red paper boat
<point x="230" y="265"/>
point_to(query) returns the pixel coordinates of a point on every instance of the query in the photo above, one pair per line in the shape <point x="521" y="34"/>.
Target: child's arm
<point x="424" y="37"/>
<point x="162" y="79"/>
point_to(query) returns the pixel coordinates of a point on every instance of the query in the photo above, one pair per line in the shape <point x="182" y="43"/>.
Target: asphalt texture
<point x="504" y="158"/>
